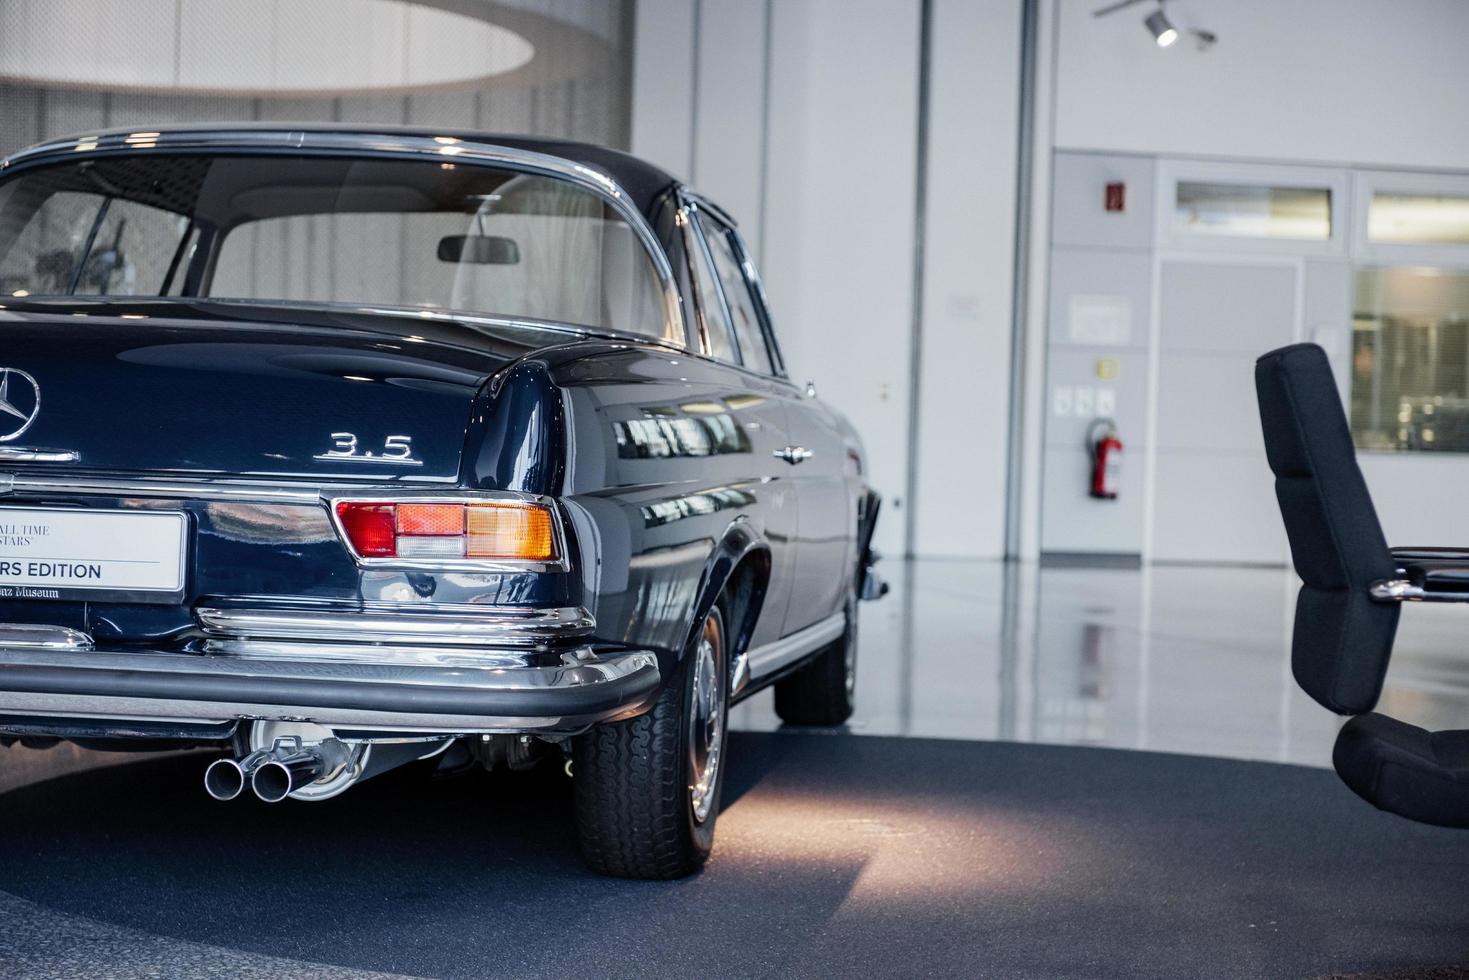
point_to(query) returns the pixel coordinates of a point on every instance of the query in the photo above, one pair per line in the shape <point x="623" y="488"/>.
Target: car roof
<point x="644" y="183"/>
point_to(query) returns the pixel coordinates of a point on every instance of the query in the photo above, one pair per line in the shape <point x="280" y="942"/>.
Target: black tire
<point x="824" y="691"/>
<point x="636" y="814"/>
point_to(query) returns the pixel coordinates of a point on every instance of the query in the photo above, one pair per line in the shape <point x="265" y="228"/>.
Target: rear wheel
<point x="824" y="691"/>
<point x="647" y="789"/>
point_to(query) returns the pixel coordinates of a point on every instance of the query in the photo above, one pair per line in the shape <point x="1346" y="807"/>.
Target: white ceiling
<point x="252" y="47"/>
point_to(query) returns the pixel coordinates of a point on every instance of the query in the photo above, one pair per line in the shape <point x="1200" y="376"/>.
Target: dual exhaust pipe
<point x="273" y="774"/>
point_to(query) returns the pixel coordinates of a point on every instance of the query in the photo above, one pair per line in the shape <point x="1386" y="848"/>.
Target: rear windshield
<point x="365" y="232"/>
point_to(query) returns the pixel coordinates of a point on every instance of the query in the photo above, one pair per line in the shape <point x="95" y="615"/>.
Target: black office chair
<point x="1347" y="611"/>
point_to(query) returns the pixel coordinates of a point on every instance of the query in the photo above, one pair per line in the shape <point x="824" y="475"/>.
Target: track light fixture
<point x="1158" y="24"/>
<point x="1163" y="32"/>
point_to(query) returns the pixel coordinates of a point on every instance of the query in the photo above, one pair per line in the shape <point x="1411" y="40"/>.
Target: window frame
<point x="704" y="219"/>
<point x="1172" y="172"/>
<point x="287" y="142"/>
<point x="1357" y="267"/>
<point x="704" y="208"/>
<point x="1368" y="183"/>
<point x="696" y="249"/>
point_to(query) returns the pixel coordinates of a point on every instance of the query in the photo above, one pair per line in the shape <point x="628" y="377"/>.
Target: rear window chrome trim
<point x="281" y="142"/>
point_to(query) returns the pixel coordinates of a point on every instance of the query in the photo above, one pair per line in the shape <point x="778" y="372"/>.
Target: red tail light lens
<point x="371" y="529"/>
<point x="492" y="530"/>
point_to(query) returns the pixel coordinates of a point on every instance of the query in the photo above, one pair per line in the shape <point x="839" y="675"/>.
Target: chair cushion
<point x="1343" y="639"/>
<point x="1341" y="647"/>
<point x="1406" y="770"/>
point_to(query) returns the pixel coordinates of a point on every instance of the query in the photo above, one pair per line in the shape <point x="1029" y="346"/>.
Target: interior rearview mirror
<point x="479" y="250"/>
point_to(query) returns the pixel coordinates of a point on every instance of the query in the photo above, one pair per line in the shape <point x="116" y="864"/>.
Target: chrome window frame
<point x="441" y="149"/>
<point x="752" y="282"/>
<point x="694" y="243"/>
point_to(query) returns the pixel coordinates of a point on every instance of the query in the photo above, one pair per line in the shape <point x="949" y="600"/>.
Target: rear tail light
<point x="490" y="530"/>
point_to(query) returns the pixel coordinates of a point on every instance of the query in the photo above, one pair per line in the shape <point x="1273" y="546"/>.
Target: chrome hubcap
<point x="706" y="718"/>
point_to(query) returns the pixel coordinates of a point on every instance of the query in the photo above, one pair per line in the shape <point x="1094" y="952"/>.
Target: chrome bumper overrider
<point x="581" y="689"/>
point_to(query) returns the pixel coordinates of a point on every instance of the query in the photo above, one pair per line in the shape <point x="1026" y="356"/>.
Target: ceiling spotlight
<point x="1163" y="32"/>
<point x="1158" y="24"/>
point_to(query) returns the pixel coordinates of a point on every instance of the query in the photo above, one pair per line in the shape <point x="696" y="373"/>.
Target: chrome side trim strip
<point x="411" y="626"/>
<point x="766" y="660"/>
<point x="1402" y="590"/>
<point x="365" y="653"/>
<point x="206" y="488"/>
<point x="20" y="454"/>
<point x="21" y="483"/>
<point x="35" y="636"/>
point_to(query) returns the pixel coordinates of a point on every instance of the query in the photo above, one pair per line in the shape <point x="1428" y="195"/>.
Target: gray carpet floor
<point x="837" y="856"/>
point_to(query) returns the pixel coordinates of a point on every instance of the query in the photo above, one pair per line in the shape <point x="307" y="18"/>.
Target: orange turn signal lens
<point x="518" y="531"/>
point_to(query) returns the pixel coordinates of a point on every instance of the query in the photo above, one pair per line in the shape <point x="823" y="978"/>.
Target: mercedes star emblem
<point x="21" y="400"/>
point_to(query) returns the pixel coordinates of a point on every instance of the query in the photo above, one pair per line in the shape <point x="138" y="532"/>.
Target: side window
<point x="714" y="315"/>
<point x="133" y="250"/>
<point x="90" y="245"/>
<point x="743" y="308"/>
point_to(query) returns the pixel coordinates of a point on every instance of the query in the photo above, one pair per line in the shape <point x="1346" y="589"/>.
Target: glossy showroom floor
<point x="933" y="838"/>
<point x="1187" y="659"/>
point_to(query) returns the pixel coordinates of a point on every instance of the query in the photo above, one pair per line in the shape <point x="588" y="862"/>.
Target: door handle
<point x="794" y="454"/>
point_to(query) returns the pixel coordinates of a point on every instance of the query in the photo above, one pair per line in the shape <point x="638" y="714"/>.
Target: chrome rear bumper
<point x="579" y="690"/>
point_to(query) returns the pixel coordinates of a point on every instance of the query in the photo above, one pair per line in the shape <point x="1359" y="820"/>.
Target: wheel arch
<point x="740" y="565"/>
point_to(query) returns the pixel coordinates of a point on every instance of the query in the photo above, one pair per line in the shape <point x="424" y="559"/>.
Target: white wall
<point x="829" y="164"/>
<point x="1342" y="82"/>
<point x="839" y="248"/>
<point x="964" y="382"/>
<point x="1336" y="81"/>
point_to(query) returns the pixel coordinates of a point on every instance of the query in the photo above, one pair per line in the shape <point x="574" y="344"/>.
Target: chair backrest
<point x="1343" y="639"/>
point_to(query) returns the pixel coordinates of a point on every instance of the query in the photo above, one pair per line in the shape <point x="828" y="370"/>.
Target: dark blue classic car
<point x="337" y="450"/>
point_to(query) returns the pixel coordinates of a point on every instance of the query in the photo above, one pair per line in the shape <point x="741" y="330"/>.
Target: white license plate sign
<point x="75" y="554"/>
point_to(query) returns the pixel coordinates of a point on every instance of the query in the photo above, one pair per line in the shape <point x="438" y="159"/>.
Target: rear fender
<point x="517" y="438"/>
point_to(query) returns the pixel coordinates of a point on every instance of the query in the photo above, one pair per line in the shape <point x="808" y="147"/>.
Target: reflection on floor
<point x="1171" y="658"/>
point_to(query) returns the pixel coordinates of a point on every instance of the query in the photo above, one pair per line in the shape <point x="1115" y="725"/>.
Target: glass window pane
<point x="319" y="230"/>
<point x="1410" y="360"/>
<point x="711" y="307"/>
<point x="1253" y="210"/>
<point x="132" y="251"/>
<point x="737" y="291"/>
<point x="1418" y="219"/>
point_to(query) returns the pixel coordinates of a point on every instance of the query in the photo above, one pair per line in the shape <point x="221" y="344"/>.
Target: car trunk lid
<point x="204" y="388"/>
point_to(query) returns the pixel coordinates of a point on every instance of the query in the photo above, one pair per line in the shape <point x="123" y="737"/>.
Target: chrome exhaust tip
<point x="279" y="778"/>
<point x="224" y="779"/>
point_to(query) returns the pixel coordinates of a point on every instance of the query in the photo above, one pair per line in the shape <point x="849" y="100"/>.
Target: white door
<point x="1213" y="495"/>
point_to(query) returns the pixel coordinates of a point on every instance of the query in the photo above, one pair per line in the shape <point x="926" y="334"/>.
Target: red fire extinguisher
<point x="1105" y="450"/>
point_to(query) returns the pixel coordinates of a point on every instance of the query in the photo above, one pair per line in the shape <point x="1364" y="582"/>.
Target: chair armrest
<point x="1434" y="556"/>
<point x="1425" y="581"/>
<point x="1439" y="577"/>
